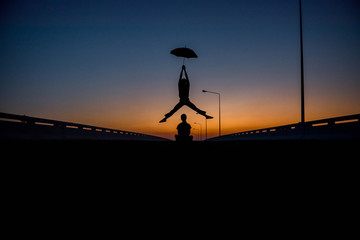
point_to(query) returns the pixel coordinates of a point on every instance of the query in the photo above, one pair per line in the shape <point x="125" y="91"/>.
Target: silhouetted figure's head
<point x="183" y="117"/>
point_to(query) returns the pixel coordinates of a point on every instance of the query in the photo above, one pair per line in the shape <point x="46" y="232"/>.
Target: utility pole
<point x="302" y="69"/>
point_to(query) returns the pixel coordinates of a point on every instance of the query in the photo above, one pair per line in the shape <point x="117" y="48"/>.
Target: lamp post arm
<point x="211" y="92"/>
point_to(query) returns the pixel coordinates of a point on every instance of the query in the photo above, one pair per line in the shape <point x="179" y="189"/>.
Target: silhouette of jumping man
<point x="184" y="87"/>
<point x="183" y="131"/>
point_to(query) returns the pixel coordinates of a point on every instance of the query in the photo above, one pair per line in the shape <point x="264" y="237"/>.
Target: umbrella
<point x="184" y="52"/>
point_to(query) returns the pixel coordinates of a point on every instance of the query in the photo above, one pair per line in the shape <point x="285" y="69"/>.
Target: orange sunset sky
<point x="107" y="63"/>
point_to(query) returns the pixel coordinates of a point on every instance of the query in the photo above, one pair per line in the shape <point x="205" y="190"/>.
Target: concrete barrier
<point x="338" y="128"/>
<point x="17" y="127"/>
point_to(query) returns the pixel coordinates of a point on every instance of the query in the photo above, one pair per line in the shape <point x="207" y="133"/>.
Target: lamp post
<point x="205" y="91"/>
<point x="302" y="69"/>
<point x="193" y="131"/>
<point x="200" y="130"/>
<point x="205" y="128"/>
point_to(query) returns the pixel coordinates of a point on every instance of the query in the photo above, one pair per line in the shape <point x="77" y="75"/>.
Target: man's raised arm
<point x="184" y="69"/>
<point x="181" y="73"/>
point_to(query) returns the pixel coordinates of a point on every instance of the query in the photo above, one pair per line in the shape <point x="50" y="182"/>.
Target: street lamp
<point x="205" y="91"/>
<point x="193" y="132"/>
<point x="205" y="127"/>
<point x="200" y="130"/>
<point x="302" y="69"/>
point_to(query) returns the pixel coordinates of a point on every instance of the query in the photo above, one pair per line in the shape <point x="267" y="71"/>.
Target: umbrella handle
<point x="183" y="61"/>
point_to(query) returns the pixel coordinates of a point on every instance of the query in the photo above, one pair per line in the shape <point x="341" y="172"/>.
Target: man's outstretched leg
<point x="193" y="107"/>
<point x="169" y="114"/>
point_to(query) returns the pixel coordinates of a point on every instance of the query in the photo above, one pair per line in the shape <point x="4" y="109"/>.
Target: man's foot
<point x="208" y="117"/>
<point x="163" y="120"/>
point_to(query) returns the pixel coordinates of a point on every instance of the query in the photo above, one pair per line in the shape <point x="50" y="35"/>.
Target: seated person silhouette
<point x="183" y="131"/>
<point x="184" y="87"/>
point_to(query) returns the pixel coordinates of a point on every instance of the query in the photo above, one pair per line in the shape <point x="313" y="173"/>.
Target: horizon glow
<point x="107" y="63"/>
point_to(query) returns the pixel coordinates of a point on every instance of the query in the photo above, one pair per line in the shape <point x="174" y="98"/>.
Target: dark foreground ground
<point x="212" y="183"/>
<point x="228" y="165"/>
<point x="227" y="159"/>
<point x="292" y="150"/>
<point x="225" y="166"/>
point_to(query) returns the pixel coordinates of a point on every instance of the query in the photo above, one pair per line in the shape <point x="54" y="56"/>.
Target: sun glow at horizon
<point x="107" y="64"/>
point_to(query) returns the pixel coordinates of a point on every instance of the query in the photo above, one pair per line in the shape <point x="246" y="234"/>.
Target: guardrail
<point x="7" y="119"/>
<point x="344" y="127"/>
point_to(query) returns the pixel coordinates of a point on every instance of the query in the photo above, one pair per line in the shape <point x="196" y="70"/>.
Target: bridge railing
<point x="54" y="123"/>
<point x="295" y="129"/>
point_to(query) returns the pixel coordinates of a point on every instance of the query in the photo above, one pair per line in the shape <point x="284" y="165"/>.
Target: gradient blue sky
<point x="107" y="63"/>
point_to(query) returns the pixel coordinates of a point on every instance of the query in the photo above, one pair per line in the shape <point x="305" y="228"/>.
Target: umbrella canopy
<point x="184" y="52"/>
